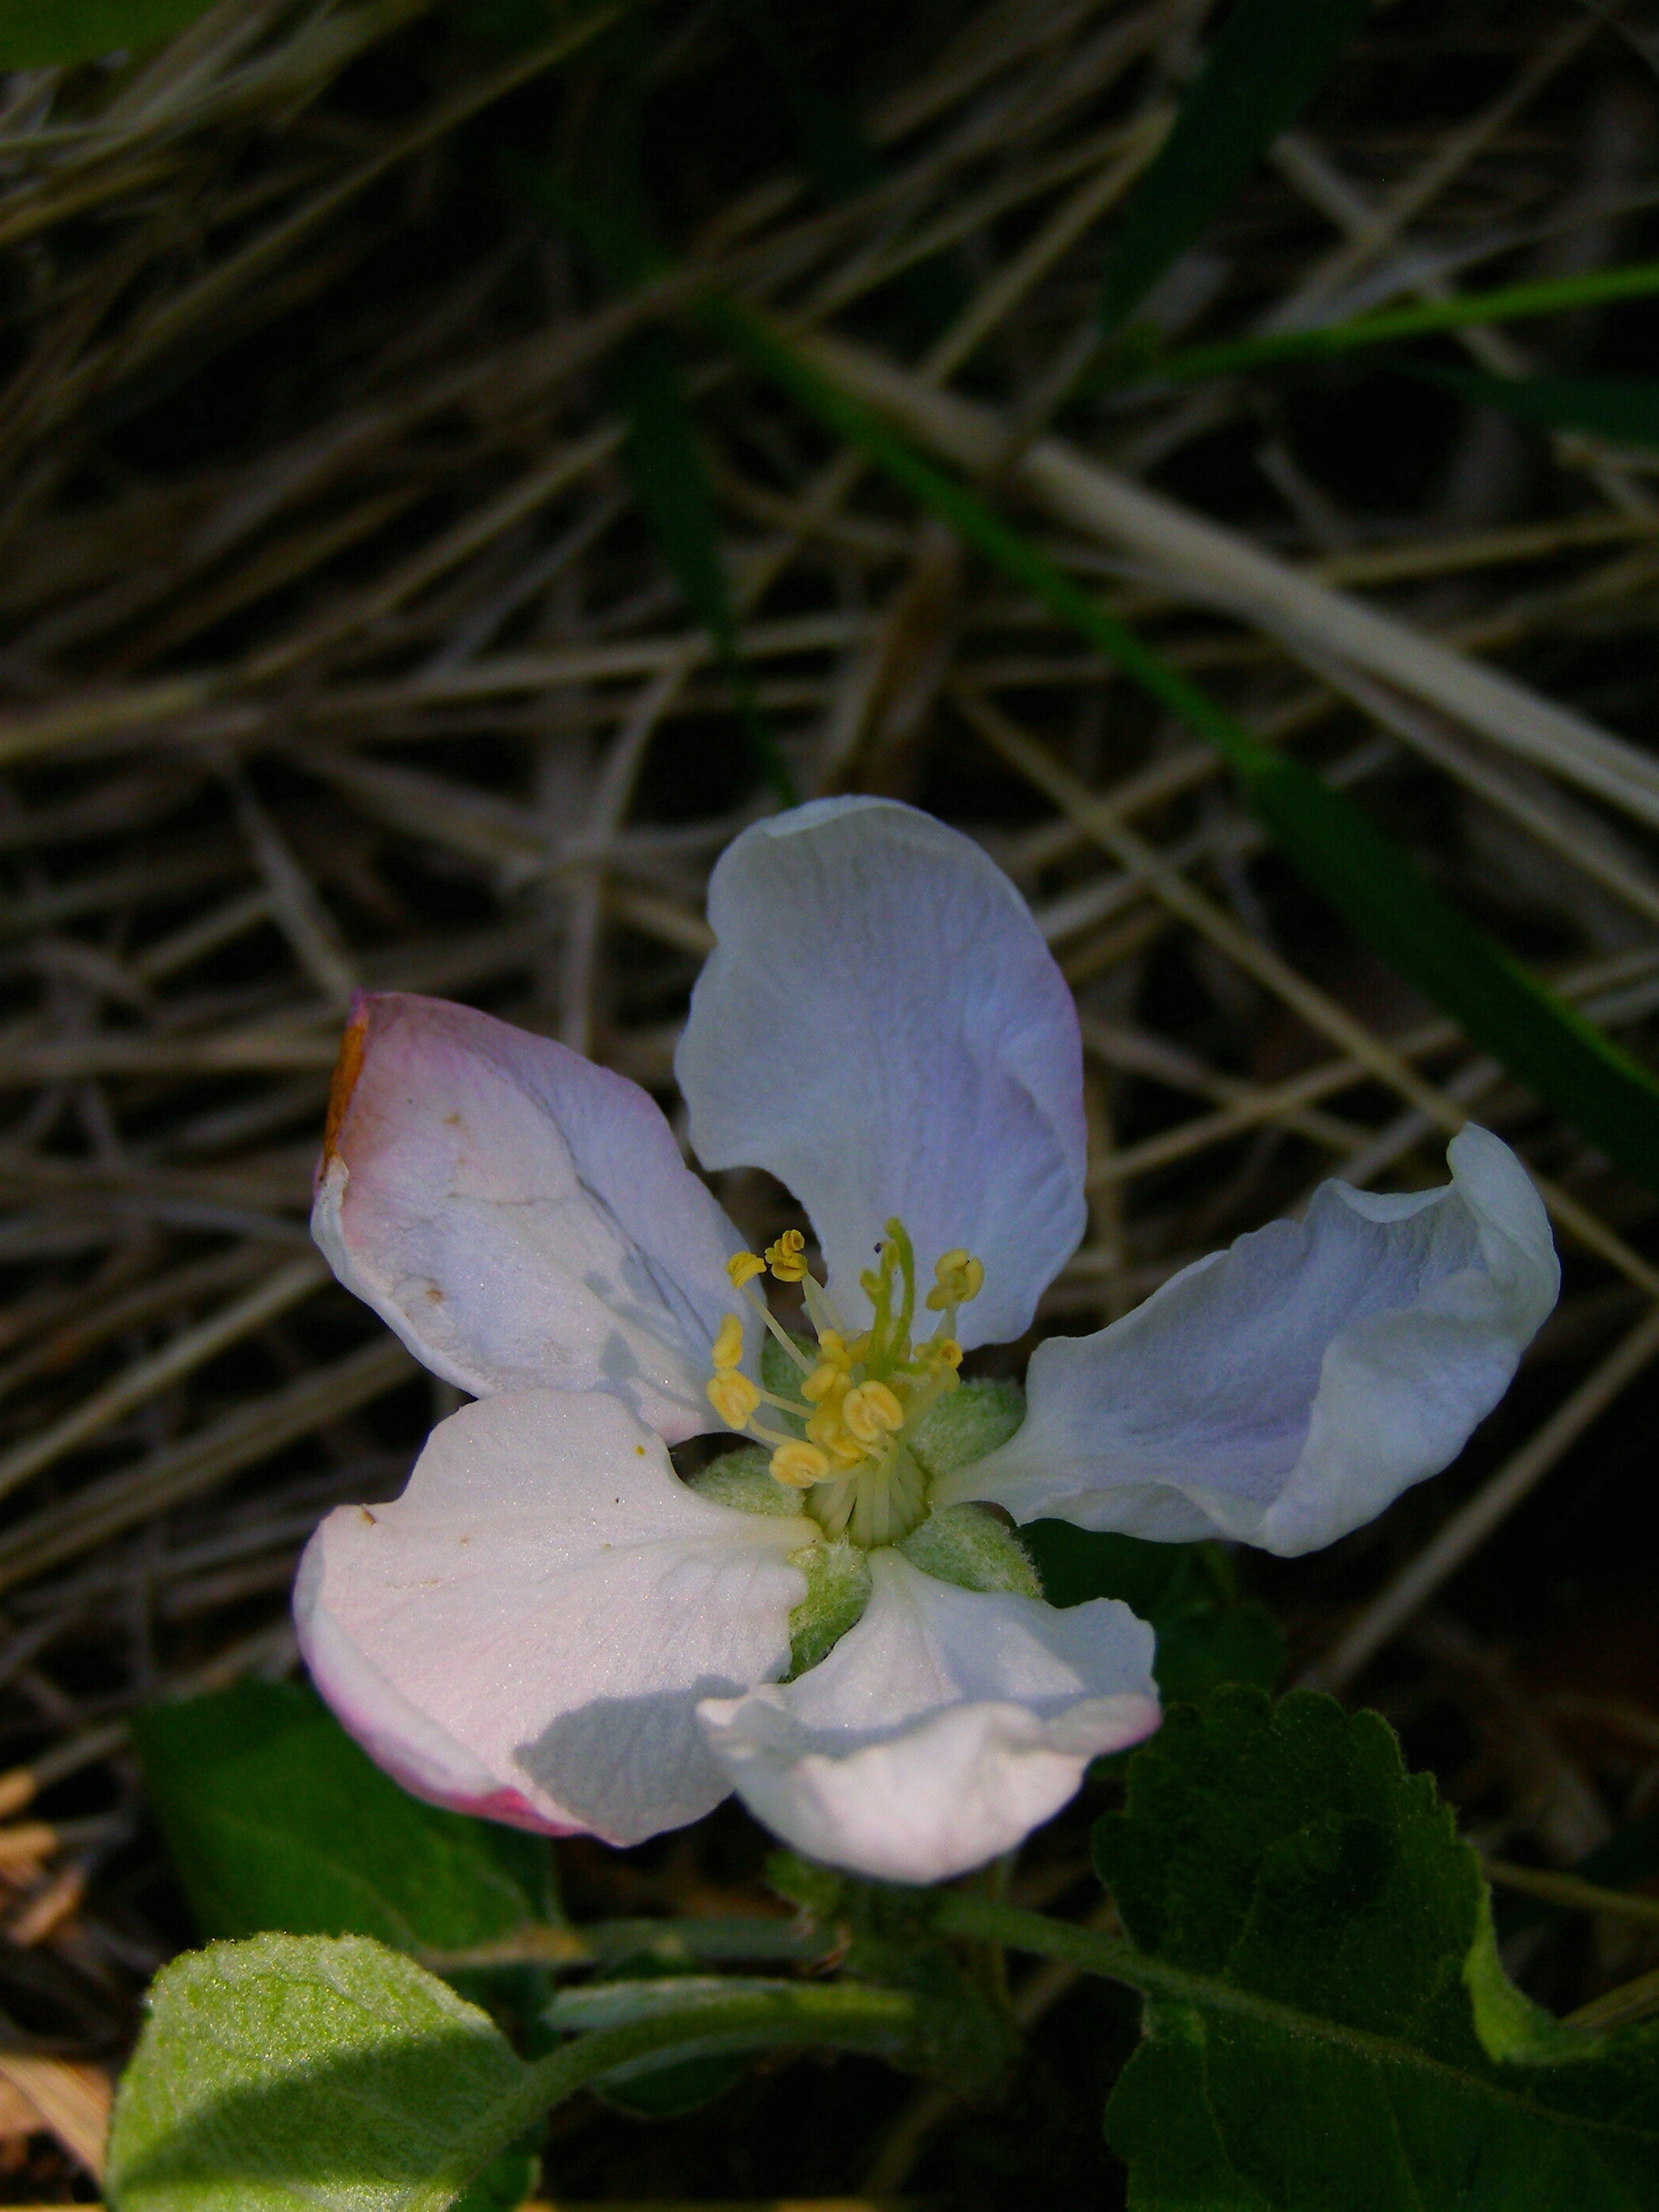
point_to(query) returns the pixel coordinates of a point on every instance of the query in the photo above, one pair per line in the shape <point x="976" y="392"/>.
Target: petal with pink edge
<point x="521" y="1217"/>
<point x="1286" y="1390"/>
<point x="942" y="1728"/>
<point x="526" y="1633"/>
<point x="882" y="1027"/>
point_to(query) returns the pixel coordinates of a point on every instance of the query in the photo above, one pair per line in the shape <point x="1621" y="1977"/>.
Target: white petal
<point x="1286" y="1390"/>
<point x="881" y="1025"/>
<point x="522" y="1218"/>
<point x="941" y="1729"/>
<point x="527" y="1632"/>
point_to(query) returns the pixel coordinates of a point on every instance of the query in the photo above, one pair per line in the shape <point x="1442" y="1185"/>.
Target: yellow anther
<point x="827" y="1430"/>
<point x="798" y="1467"/>
<point x="734" y="1397"/>
<point x="871" y="1411"/>
<point x="786" y="1258"/>
<point x="833" y="1348"/>
<point x="743" y="1266"/>
<point x="728" y="1342"/>
<point x="826" y="1381"/>
<point x="957" y="1277"/>
<point x="940" y="1353"/>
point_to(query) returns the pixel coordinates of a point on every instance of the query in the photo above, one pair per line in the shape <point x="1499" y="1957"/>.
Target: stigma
<point x="843" y="1438"/>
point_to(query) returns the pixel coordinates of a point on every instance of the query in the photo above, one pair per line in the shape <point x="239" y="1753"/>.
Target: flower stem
<point x="837" y="2015"/>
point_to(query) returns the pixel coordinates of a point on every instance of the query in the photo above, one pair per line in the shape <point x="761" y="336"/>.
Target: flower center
<point x="861" y="1398"/>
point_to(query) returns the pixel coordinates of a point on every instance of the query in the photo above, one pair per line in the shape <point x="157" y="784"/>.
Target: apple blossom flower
<point x="552" y="1628"/>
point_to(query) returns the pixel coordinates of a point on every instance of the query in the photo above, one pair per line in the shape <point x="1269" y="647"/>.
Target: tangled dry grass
<point x="336" y="653"/>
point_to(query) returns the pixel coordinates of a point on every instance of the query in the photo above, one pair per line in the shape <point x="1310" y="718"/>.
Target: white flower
<point x="551" y="1628"/>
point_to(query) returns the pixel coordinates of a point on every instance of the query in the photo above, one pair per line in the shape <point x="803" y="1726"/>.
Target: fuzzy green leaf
<point x="292" y="2072"/>
<point x="275" y="1819"/>
<point x="34" y="33"/>
<point x="1333" y="2028"/>
<point x="311" y="2074"/>
<point x="1264" y="67"/>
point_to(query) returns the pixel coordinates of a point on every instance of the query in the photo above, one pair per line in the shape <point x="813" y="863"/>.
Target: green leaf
<point x="1264" y="67"/>
<point x="1206" y="1633"/>
<point x="1334" y="2029"/>
<point x="275" y="1819"/>
<point x="316" y="2074"/>
<point x="1334" y="845"/>
<point x="300" y="2072"/>
<point x="508" y="2179"/>
<point x="34" y="33"/>
<point x="1624" y="409"/>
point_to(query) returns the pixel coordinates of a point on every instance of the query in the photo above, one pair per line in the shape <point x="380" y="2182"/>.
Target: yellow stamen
<point x="957" y="1277"/>
<point x="799" y="1465"/>
<point x="826" y="1428"/>
<point x="862" y="1396"/>
<point x="824" y="1382"/>
<point x="734" y="1397"/>
<point x="786" y="1258"/>
<point x="940" y="1354"/>
<point x="872" y="1410"/>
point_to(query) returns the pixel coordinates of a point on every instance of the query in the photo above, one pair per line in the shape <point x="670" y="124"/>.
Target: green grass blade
<point x="34" y="33"/>
<point x="1625" y="410"/>
<point x="1377" y="888"/>
<point x="673" y="487"/>
<point x="842" y="161"/>
<point x="1265" y="64"/>
<point x="662" y="453"/>
<point x="1508" y="303"/>
<point x="834" y="153"/>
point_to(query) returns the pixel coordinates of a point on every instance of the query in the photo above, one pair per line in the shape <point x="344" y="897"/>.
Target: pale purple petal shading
<point x="526" y="1633"/>
<point x="521" y="1217"/>
<point x="942" y="1729"/>
<point x="882" y="1027"/>
<point x="1287" y="1390"/>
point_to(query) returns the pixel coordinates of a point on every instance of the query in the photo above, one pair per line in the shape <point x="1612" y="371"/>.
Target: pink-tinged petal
<point x="941" y="1729"/>
<point x="527" y="1631"/>
<point x="881" y="1025"/>
<point x="522" y="1218"/>
<point x="1286" y="1390"/>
